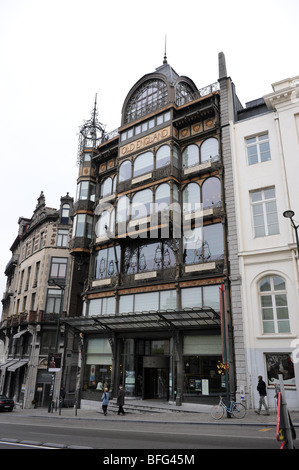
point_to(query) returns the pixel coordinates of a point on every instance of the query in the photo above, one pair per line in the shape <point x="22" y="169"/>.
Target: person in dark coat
<point x="261" y="388"/>
<point x="121" y="400"/>
<point x="105" y="401"/>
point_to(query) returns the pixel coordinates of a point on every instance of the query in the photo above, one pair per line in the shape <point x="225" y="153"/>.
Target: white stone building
<point x="265" y="152"/>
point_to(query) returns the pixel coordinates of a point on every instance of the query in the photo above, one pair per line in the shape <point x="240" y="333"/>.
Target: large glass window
<point x="209" y="150"/>
<point x="264" y="211"/>
<point x="149" y="257"/>
<point x="163" y="156"/>
<point x="205" y="245"/>
<point x="105" y="262"/>
<point x="191" y="197"/>
<point x="162" y="197"/>
<point x="125" y="171"/>
<point x="141" y="203"/>
<point x="147" y="301"/>
<point x="274" y="305"/>
<point x="98" y="365"/>
<point x="105" y="224"/>
<point x="82" y="225"/>
<point x="151" y="95"/>
<point x="211" y="193"/>
<point x="206" y="296"/>
<point x="144" y="163"/>
<point x="190" y="156"/>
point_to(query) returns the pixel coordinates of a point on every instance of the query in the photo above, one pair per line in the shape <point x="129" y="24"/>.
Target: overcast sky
<point x="56" y="55"/>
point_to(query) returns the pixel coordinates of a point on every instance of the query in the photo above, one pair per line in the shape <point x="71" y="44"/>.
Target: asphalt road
<point x="34" y="432"/>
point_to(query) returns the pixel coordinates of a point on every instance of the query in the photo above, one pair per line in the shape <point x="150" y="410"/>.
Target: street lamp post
<point x="289" y="214"/>
<point x="52" y="282"/>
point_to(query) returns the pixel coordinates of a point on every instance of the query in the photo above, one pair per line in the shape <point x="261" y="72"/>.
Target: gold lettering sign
<point x="145" y="141"/>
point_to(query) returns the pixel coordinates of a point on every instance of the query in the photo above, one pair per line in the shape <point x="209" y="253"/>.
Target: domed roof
<point x="155" y="91"/>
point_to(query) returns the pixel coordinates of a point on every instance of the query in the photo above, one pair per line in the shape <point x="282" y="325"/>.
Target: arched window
<point x="141" y="203"/>
<point x="151" y="95"/>
<point x="191" y="197"/>
<point x="190" y="156"/>
<point x="163" y="156"/>
<point x="106" y="187"/>
<point x="274" y="305"/>
<point x="123" y="209"/>
<point x="162" y="197"/>
<point x="105" y="224"/>
<point x="125" y="171"/>
<point x="143" y="164"/>
<point x="209" y="150"/>
<point x="211" y="193"/>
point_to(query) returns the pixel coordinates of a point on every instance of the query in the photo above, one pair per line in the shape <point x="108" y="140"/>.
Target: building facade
<point x="151" y="223"/>
<point x="37" y="296"/>
<point x="265" y="141"/>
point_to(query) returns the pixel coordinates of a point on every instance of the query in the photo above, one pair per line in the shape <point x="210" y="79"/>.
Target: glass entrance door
<point x="155" y="383"/>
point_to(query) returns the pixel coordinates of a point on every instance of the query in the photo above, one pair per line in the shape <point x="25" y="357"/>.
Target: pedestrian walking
<point x="261" y="388"/>
<point x="121" y="400"/>
<point x="105" y="401"/>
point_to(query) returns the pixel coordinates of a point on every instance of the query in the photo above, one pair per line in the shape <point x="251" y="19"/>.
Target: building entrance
<point x="155" y="377"/>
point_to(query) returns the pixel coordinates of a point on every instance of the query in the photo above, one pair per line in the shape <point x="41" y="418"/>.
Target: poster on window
<point x="54" y="362"/>
<point x="280" y="363"/>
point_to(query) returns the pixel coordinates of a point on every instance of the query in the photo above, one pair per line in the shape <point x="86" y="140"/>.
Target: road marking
<point x="25" y="445"/>
<point x="264" y="429"/>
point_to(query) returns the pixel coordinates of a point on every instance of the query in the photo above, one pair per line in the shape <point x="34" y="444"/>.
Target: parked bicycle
<point x="237" y="410"/>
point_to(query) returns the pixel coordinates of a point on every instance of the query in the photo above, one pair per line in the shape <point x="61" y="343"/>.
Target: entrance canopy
<point x="198" y="318"/>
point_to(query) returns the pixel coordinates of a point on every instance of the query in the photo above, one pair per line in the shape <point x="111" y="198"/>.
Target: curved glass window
<point x="162" y="197"/>
<point x="190" y="156"/>
<point x="274" y="305"/>
<point x="191" y="198"/>
<point x="123" y="209"/>
<point x="211" y="193"/>
<point x="175" y="156"/>
<point x="125" y="171"/>
<point x="141" y="203"/>
<point x="209" y="150"/>
<point x="163" y="156"/>
<point x="205" y="244"/>
<point x="105" y="224"/>
<point x="151" y="95"/>
<point x="143" y="164"/>
<point x="82" y="225"/>
<point x="183" y="94"/>
<point x="106" y="187"/>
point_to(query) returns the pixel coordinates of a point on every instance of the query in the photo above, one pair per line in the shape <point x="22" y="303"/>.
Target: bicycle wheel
<point x="217" y="412"/>
<point x="238" y="410"/>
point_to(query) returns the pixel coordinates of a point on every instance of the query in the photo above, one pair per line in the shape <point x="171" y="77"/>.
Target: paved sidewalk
<point x="159" y="412"/>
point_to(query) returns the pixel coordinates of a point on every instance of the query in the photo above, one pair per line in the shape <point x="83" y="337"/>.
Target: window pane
<point x="265" y="284"/>
<point x="126" y="303"/>
<point x="190" y="156"/>
<point x="125" y="171"/>
<point x="209" y="150"/>
<point x="279" y="283"/>
<point x="268" y="327"/>
<point x="284" y="326"/>
<point x="213" y="247"/>
<point x="191" y="197"/>
<point x="191" y="297"/>
<point x="108" y="305"/>
<point x="162" y="197"/>
<point x="211" y="193"/>
<point x="143" y="164"/>
<point x="167" y="299"/>
<point x="211" y="297"/>
<point x="146" y="302"/>
<point x="163" y="156"/>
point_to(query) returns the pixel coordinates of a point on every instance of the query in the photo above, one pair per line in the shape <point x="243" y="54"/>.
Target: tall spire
<point x="165" y="57"/>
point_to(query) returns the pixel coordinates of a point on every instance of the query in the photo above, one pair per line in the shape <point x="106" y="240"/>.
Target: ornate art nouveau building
<point x="151" y="232"/>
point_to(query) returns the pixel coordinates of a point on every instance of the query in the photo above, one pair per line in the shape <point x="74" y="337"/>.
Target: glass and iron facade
<point x="150" y="220"/>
